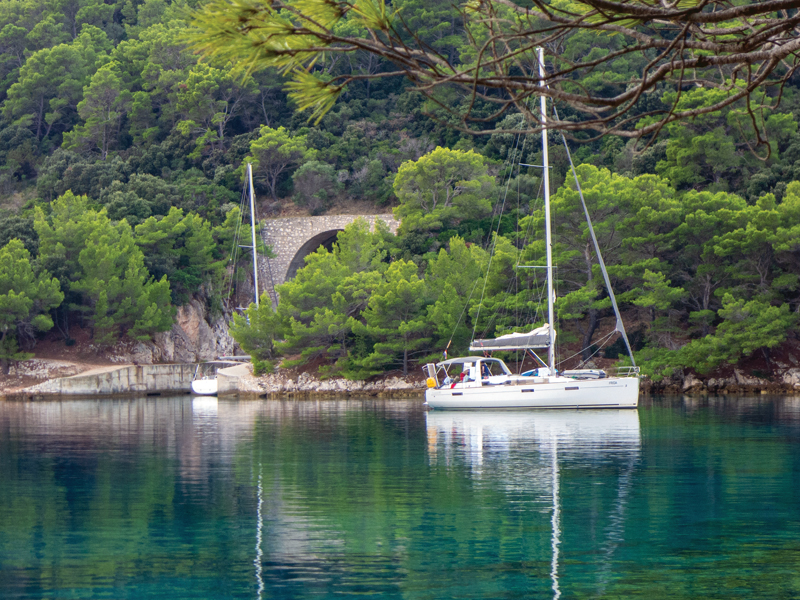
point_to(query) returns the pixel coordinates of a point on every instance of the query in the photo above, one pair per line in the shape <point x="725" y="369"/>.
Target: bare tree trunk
<point x="706" y="304"/>
<point x="5" y="364"/>
<point x="589" y="334"/>
<point x="39" y="120"/>
<point x="273" y="182"/>
<point x="264" y="109"/>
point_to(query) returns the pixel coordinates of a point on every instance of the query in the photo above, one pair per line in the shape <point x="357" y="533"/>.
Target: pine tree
<point x="25" y="299"/>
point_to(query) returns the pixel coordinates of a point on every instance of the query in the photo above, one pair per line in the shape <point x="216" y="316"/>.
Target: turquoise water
<point x="170" y="498"/>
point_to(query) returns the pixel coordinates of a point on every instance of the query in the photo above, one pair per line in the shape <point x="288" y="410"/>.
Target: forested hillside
<point x="121" y="162"/>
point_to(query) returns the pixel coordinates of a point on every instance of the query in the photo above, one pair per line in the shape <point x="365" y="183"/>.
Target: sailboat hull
<point x="614" y="392"/>
<point x="205" y="387"/>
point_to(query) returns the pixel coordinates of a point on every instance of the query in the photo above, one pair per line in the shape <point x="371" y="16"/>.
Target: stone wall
<point x="292" y="239"/>
<point x="139" y="379"/>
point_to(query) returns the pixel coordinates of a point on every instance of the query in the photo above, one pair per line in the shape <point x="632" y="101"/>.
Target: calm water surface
<point x="175" y="498"/>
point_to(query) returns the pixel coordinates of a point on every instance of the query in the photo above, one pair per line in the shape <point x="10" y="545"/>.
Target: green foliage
<point x="746" y="326"/>
<point x="102" y="270"/>
<point x="181" y="249"/>
<point x="314" y="186"/>
<point x="394" y="319"/>
<point x="25" y="299"/>
<point x="50" y="81"/>
<point x="19" y="154"/>
<point x="711" y="148"/>
<point x="65" y="171"/>
<point x="104" y="100"/>
<point x="103" y="105"/>
<point x="256" y="332"/>
<point x="443" y="188"/>
<point x="20" y="228"/>
<point x="275" y="152"/>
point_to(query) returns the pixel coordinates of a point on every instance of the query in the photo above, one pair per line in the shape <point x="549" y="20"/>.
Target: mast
<point x="253" y="230"/>
<point x="551" y="350"/>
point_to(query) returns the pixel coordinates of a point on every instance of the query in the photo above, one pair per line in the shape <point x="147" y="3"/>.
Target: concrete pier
<point x="135" y="379"/>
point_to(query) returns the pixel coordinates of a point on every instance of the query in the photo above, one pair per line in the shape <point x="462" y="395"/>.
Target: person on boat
<point x="485" y="372"/>
<point x="468" y="374"/>
<point x="458" y="379"/>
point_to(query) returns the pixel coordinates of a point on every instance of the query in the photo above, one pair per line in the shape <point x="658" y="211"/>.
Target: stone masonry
<point x="294" y="238"/>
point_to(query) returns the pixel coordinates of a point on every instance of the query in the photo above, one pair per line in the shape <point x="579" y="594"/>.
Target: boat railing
<point x="626" y="371"/>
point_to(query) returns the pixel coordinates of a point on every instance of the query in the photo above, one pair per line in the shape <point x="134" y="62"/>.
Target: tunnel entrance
<point x="326" y="238"/>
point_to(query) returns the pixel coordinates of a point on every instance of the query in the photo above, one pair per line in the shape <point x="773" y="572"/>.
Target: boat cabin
<point x="467" y="371"/>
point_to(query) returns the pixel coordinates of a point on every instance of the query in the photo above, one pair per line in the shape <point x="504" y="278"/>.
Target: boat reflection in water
<point x="525" y="453"/>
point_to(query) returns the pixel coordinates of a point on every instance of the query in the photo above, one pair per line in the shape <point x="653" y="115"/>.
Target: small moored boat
<point x="206" y="386"/>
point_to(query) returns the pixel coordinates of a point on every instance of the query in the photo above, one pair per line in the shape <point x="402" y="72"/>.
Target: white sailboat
<point x="487" y="383"/>
<point x="208" y="385"/>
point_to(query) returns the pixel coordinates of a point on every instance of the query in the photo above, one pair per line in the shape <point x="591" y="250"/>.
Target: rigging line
<point x="500" y="219"/>
<point x="619" y="326"/>
<point x="519" y="251"/>
<point x="530" y="217"/>
<point x="587" y="359"/>
<point x="511" y="284"/>
<point x="237" y="237"/>
<point x="519" y="255"/>
<point x="274" y="295"/>
<point x="532" y="312"/>
<point x="494" y="244"/>
<point x="510" y="161"/>
<point x="523" y="243"/>
<point x="601" y="341"/>
<point x="231" y="263"/>
<point x="466" y="304"/>
<point x="234" y="254"/>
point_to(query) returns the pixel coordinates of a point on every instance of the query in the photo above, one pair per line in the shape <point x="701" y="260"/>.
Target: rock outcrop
<point x="192" y="339"/>
<point x="782" y="382"/>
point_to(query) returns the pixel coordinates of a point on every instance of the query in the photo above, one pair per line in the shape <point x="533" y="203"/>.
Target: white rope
<point x="497" y="232"/>
<point x="601" y="341"/>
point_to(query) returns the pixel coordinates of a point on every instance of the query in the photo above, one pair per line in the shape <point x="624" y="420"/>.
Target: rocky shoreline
<point x="31" y="375"/>
<point x="304" y="385"/>
<point x="737" y="383"/>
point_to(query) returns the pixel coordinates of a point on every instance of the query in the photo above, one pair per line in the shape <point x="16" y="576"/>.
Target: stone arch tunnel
<point x="294" y="238"/>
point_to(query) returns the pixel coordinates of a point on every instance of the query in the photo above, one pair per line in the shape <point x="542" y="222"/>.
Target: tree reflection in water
<point x="169" y="497"/>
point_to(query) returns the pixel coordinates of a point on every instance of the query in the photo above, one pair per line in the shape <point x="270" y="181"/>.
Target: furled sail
<point x="536" y="338"/>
